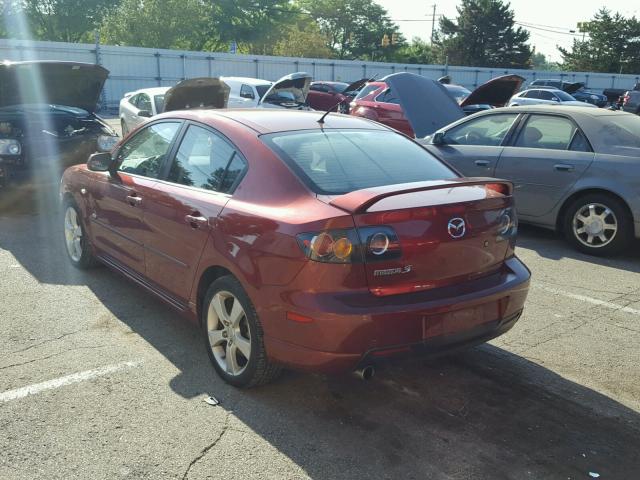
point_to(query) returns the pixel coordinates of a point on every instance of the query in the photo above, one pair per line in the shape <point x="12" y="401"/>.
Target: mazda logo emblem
<point x="456" y="228"/>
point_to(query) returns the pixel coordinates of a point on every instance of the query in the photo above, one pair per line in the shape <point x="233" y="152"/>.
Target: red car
<point x="335" y="96"/>
<point x="297" y="242"/>
<point x="380" y="101"/>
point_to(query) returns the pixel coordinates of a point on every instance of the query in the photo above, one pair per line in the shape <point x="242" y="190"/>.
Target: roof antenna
<point x="321" y="121"/>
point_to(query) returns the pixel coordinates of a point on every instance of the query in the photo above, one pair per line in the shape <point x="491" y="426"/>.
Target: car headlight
<point x="107" y="142"/>
<point x="10" y="147"/>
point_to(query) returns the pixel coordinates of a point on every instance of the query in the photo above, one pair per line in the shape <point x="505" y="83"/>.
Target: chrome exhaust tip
<point x="365" y="373"/>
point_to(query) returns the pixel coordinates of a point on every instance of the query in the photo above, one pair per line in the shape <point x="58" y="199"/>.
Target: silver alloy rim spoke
<point x="73" y="234"/>
<point x="589" y="225"/>
<point x="228" y="332"/>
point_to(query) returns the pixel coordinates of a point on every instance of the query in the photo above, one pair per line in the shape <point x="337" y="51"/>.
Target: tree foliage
<point x="484" y="35"/>
<point x="303" y="40"/>
<point x="611" y="44"/>
<point x="355" y="28"/>
<point x="418" y="51"/>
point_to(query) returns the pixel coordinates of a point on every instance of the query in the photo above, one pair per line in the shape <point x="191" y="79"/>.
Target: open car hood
<point x="357" y="85"/>
<point x="197" y="93"/>
<point x="289" y="92"/>
<point x="572" y="87"/>
<point x="71" y="84"/>
<point x="426" y="103"/>
<point x="496" y="92"/>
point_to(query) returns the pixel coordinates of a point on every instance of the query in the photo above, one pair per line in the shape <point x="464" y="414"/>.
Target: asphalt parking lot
<point x="98" y="379"/>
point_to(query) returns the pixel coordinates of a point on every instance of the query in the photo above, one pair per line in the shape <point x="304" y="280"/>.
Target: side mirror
<point x="438" y="139"/>
<point x="100" y="162"/>
<point x="145" y="113"/>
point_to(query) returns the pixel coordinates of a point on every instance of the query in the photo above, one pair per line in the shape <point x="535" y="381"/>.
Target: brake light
<point x="351" y="246"/>
<point x="625" y="99"/>
<point x="502" y="188"/>
<point x="508" y="225"/>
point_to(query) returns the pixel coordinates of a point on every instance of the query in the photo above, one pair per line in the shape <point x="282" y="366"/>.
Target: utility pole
<point x="433" y="22"/>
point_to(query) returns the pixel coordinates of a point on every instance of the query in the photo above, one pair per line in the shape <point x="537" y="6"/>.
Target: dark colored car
<point x="378" y="101"/>
<point x="334" y="96"/>
<point x="576" y="89"/>
<point x="631" y="100"/>
<point x="297" y="243"/>
<point x="48" y="119"/>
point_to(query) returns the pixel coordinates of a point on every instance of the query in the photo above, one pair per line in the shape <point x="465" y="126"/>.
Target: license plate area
<point x="459" y="321"/>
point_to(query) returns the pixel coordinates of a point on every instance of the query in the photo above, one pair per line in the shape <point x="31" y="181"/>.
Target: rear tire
<point x="233" y="335"/>
<point x="598" y="224"/>
<point x="76" y="240"/>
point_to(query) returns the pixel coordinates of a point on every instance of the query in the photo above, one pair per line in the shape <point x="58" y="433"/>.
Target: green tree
<point x="65" y="20"/>
<point x="183" y="24"/>
<point x="611" y="44"/>
<point x="539" y="62"/>
<point x="304" y="40"/>
<point x="484" y="35"/>
<point x="355" y="28"/>
<point x="418" y="51"/>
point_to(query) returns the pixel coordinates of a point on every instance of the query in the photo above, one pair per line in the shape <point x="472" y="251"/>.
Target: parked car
<point x="378" y="101"/>
<point x="575" y="170"/>
<point x="577" y="90"/>
<point x="138" y="106"/>
<point x="246" y="92"/>
<point x="48" y="118"/>
<point x="536" y="96"/>
<point x="631" y="100"/>
<point x="334" y="96"/>
<point x="297" y="243"/>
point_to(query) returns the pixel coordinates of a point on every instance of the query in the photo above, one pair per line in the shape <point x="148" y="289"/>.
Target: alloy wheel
<point x="228" y="332"/>
<point x="595" y="225"/>
<point x="73" y="234"/>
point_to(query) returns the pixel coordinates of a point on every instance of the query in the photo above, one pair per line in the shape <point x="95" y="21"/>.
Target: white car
<point x="548" y="96"/>
<point x="246" y="92"/>
<point x="137" y="107"/>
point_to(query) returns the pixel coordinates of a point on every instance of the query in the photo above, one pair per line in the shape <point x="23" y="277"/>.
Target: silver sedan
<point x="575" y="170"/>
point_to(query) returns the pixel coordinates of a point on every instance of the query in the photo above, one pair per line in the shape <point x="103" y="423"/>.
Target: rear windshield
<point x="341" y="161"/>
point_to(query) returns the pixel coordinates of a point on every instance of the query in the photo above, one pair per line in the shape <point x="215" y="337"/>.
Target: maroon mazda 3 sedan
<point x="294" y="242"/>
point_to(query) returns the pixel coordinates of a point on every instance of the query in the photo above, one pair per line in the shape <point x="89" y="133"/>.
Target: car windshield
<point x="334" y="162"/>
<point x="158" y="100"/>
<point x="564" y="96"/>
<point x="458" y="93"/>
<point x="619" y="133"/>
<point x="262" y="89"/>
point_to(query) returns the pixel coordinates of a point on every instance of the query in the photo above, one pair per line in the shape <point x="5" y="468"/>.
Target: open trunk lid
<point x="439" y="232"/>
<point x="496" y="92"/>
<point x="288" y="92"/>
<point x="197" y="93"/>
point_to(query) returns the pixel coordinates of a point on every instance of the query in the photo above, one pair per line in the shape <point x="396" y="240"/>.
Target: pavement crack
<point x="206" y="449"/>
<point x="51" y="356"/>
<point x="49" y="340"/>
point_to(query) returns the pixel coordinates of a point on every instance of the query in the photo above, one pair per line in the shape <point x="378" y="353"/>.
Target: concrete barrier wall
<point x="133" y="67"/>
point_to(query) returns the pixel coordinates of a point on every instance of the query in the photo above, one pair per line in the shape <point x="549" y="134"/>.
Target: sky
<point x="549" y="20"/>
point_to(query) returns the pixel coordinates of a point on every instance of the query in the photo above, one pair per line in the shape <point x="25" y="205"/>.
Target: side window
<point x="144" y="102"/>
<point x="387" y="97"/>
<point x="145" y="152"/>
<point x="133" y="100"/>
<point x="234" y="172"/>
<point x="247" y="92"/>
<point x="488" y="130"/>
<point x="579" y="143"/>
<point x="532" y="94"/>
<point x="546" y="95"/>
<point x="546" y="131"/>
<point x="320" y="88"/>
<point x="367" y="90"/>
<point x="202" y="161"/>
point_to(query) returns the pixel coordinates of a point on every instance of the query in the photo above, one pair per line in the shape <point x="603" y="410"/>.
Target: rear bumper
<point x="429" y="322"/>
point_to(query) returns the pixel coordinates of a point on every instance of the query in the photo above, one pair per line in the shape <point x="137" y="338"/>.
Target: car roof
<point x="152" y="90"/>
<point x="270" y="120"/>
<point x="567" y="109"/>
<point x="545" y="89"/>
<point x="248" y="80"/>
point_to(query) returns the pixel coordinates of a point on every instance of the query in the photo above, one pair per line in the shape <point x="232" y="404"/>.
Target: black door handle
<point x="563" y="167"/>
<point x="482" y="163"/>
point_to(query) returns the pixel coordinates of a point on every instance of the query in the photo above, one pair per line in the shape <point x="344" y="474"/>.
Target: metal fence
<point x="133" y="67"/>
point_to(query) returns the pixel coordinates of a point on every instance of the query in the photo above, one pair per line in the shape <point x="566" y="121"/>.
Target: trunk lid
<point x="197" y="93"/>
<point x="70" y="84"/>
<point x="446" y="232"/>
<point x="496" y="92"/>
<point x="289" y="92"/>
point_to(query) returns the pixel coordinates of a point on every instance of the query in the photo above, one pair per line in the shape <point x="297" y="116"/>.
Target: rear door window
<point x="488" y="130"/>
<point x="388" y="97"/>
<point x="337" y="162"/>
<point x="546" y="95"/>
<point x="144" y="102"/>
<point x="546" y="131"/>
<point x="367" y="90"/>
<point x="202" y="161"/>
<point x="247" y="92"/>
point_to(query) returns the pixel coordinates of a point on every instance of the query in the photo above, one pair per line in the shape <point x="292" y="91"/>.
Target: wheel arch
<point x="587" y="191"/>
<point x="208" y="276"/>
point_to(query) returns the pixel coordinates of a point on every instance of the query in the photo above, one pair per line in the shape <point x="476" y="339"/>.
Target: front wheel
<point x="598" y="224"/>
<point x="234" y="337"/>
<point x="75" y="238"/>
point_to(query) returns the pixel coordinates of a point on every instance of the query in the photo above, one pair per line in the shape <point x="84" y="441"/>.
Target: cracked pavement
<point x="556" y="397"/>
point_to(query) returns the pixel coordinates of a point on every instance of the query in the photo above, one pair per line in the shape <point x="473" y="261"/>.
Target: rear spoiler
<point x="360" y="200"/>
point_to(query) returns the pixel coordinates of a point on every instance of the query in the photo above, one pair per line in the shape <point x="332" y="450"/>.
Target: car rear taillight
<point x="502" y="188"/>
<point x="508" y="225"/>
<point x="625" y="99"/>
<point x="351" y="246"/>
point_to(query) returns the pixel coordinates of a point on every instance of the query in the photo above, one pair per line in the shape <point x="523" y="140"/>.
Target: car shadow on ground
<point x="552" y="245"/>
<point x="485" y="413"/>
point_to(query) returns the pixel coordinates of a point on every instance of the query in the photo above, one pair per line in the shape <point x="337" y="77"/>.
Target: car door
<point x="186" y="203"/>
<point x="474" y="146"/>
<point x="118" y="201"/>
<point x="548" y="155"/>
<point x="547" y="97"/>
